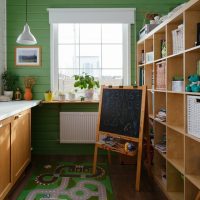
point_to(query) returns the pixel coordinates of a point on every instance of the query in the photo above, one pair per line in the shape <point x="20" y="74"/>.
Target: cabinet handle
<point x="18" y="116"/>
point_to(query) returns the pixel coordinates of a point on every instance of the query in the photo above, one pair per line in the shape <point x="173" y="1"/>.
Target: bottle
<point x="18" y="95"/>
<point x="142" y="57"/>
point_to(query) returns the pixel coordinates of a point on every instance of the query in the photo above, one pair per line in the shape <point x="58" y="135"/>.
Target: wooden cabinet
<point x="5" y="157"/>
<point x="177" y="171"/>
<point x="21" y="143"/>
<point x="15" y="149"/>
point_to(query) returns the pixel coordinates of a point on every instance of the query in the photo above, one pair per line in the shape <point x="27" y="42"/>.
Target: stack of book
<point x="161" y="115"/>
<point x="161" y="146"/>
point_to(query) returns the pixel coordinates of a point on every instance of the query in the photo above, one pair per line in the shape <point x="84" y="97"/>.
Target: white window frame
<point x="126" y="16"/>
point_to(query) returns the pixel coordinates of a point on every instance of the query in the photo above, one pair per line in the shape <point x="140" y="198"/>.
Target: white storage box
<point x="193" y="115"/>
<point x="149" y="57"/>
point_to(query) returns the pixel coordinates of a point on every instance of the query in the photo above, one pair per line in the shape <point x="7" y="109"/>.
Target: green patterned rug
<point x="68" y="181"/>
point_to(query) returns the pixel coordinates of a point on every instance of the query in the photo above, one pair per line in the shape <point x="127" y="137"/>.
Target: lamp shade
<point x="26" y="37"/>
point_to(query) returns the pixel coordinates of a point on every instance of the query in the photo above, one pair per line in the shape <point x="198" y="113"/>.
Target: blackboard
<point x="120" y="111"/>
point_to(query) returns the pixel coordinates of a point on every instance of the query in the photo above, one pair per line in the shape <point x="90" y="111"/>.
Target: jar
<point x="18" y="95"/>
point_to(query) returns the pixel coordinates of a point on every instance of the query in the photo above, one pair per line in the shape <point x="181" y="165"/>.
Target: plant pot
<point x="48" y="96"/>
<point x="89" y="94"/>
<point x="61" y="97"/>
<point x="177" y="86"/>
<point x="28" y="94"/>
<point x="8" y="94"/>
<point x="71" y="96"/>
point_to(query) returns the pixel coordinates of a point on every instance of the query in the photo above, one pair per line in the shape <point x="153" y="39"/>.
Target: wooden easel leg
<point x="138" y="172"/>
<point x="149" y="155"/>
<point x="109" y="158"/>
<point x="95" y="159"/>
<point x="198" y="196"/>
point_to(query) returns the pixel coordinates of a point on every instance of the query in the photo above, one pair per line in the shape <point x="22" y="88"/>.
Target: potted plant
<point x="9" y="80"/>
<point x="177" y="84"/>
<point x="87" y="82"/>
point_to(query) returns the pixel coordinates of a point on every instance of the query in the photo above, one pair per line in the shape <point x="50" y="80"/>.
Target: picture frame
<point x="28" y="56"/>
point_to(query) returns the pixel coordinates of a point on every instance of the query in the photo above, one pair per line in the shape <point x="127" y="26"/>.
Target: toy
<point x="194" y="83"/>
<point x="129" y="146"/>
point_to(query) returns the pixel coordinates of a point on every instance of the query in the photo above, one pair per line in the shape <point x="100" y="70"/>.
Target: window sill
<point x="70" y="102"/>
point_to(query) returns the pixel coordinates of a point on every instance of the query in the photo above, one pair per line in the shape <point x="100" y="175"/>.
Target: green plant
<point x="85" y="81"/>
<point x="9" y="80"/>
<point x="177" y="78"/>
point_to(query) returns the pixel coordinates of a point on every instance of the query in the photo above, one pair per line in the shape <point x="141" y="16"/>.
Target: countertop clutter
<point x="10" y="108"/>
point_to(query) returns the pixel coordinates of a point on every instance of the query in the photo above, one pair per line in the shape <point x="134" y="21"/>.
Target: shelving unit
<point x="181" y="163"/>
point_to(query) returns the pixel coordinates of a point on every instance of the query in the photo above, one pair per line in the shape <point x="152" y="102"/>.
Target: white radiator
<point x="78" y="127"/>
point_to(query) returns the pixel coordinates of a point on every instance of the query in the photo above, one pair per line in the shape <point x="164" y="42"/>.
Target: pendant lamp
<point x="26" y="37"/>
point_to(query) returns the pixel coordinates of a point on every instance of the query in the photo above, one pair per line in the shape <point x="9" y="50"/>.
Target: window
<point x="99" y="49"/>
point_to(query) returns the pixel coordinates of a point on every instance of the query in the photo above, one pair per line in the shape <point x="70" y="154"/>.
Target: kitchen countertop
<point x="7" y="109"/>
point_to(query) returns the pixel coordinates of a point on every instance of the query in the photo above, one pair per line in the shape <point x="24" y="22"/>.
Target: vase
<point x="28" y="94"/>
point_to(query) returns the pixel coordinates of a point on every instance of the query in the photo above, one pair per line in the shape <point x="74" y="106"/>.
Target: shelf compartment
<point x="150" y="104"/>
<point x="192" y="17"/>
<point x="159" y="133"/>
<point x="159" y="169"/>
<point x="192" y="161"/>
<point x="175" y="183"/>
<point x="170" y="27"/>
<point x="191" y="190"/>
<point x="191" y="59"/>
<point x="175" y="111"/>
<point x="148" y="75"/>
<point x="174" y="68"/>
<point x="148" y="47"/>
<point x="175" y="149"/>
<point x="140" y="57"/>
<point x="158" y="38"/>
<point x="160" y="101"/>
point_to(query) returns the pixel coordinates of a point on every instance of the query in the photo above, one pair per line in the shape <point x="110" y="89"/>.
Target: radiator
<point x="78" y="127"/>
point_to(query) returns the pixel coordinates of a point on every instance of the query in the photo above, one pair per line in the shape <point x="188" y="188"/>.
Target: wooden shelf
<point x="163" y="123"/>
<point x="181" y="161"/>
<point x="176" y="128"/>
<point x="162" y="154"/>
<point x="164" y="91"/>
<point x="176" y="195"/>
<point x="193" y="93"/>
<point x="194" y="179"/>
<point x="177" y="163"/>
<point x="174" y="92"/>
<point x="193" y="137"/>
<point x="117" y="149"/>
<point x="70" y="102"/>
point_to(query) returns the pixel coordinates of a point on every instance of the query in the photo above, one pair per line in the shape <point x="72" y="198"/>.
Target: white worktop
<point x="10" y="108"/>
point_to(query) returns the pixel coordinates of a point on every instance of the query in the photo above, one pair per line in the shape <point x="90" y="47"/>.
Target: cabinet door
<point x="5" y="158"/>
<point x="21" y="143"/>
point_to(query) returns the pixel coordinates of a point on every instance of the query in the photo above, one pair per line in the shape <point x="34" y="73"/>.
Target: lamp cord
<point x="26" y="10"/>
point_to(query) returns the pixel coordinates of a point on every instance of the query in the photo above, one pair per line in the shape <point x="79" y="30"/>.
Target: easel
<point x="198" y="196"/>
<point x="138" y="140"/>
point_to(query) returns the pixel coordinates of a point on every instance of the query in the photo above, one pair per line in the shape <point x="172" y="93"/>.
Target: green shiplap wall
<point x="45" y="118"/>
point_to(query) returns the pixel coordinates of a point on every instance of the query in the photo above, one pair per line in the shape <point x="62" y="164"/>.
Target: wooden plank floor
<point x="122" y="179"/>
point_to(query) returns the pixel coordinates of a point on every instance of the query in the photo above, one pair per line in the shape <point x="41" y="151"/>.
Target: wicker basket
<point x="160" y="78"/>
<point x="193" y="120"/>
<point x="177" y="38"/>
